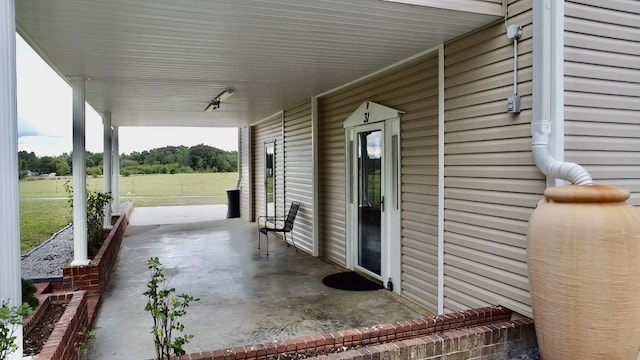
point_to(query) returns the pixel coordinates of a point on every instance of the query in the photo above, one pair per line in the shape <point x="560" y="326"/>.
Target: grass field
<point x="39" y="219"/>
<point x="44" y="208"/>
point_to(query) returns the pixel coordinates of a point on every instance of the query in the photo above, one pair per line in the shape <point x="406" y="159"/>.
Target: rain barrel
<point x="583" y="249"/>
<point x="233" y="203"/>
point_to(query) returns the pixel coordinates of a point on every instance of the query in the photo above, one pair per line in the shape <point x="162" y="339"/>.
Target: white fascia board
<point x="470" y="6"/>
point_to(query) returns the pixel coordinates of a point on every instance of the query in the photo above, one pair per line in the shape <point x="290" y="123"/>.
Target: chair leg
<point x="267" y="243"/>
<point x="293" y="242"/>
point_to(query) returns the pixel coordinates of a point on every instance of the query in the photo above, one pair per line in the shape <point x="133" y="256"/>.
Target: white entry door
<point x="373" y="203"/>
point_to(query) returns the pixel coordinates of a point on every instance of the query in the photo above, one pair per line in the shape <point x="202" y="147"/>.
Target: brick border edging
<point x="94" y="277"/>
<point x="65" y="334"/>
<point x="374" y="335"/>
<point x="498" y="340"/>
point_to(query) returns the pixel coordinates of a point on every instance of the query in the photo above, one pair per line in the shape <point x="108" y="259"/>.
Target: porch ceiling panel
<point x="160" y="62"/>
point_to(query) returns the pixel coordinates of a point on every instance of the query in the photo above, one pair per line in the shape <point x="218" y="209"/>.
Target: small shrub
<point x="10" y="318"/>
<point x="82" y="347"/>
<point x="28" y="293"/>
<point x="166" y="308"/>
<point x="96" y="202"/>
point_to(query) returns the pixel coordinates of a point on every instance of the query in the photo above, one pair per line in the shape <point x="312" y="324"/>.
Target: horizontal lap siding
<point x="415" y="91"/>
<point x="419" y="142"/>
<point x="267" y="132"/>
<point x="491" y="182"/>
<point x="331" y="170"/>
<point x="245" y="182"/>
<point x="298" y="172"/>
<point x="602" y="91"/>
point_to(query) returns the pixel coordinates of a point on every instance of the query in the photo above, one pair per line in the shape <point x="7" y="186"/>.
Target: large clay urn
<point x="583" y="247"/>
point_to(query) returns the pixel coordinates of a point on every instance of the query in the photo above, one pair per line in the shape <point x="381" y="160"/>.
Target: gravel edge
<point x="46" y="261"/>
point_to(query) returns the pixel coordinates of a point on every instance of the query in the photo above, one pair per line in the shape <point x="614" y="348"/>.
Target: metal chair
<point x="270" y="224"/>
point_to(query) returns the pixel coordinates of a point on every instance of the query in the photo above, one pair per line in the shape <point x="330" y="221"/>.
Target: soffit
<point x="160" y="62"/>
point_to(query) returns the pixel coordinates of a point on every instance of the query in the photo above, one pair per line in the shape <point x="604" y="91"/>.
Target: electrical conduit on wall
<point x="547" y="34"/>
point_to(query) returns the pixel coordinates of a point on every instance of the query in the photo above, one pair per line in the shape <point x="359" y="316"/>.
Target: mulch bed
<point x="35" y="340"/>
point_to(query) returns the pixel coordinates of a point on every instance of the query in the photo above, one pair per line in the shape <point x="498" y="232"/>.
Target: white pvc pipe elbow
<point x="574" y="173"/>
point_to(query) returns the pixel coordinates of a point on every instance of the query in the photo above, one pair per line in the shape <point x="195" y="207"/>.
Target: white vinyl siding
<point x="268" y="131"/>
<point x="602" y="91"/>
<point x="413" y="89"/>
<point x="245" y="181"/>
<point x="298" y="172"/>
<point x="419" y="151"/>
<point x="491" y="182"/>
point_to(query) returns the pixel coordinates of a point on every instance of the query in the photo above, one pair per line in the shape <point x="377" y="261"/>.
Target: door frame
<point x="390" y="217"/>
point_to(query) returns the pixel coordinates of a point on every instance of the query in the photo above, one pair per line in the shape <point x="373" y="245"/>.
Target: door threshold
<point x="369" y="276"/>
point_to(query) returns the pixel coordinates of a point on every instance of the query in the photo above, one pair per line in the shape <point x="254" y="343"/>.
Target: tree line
<point x="164" y="160"/>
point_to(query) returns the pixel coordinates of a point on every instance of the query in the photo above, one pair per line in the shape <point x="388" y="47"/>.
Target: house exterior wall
<point x="245" y="174"/>
<point x="602" y="91"/>
<point x="413" y="89"/>
<point x="268" y="131"/>
<point x="491" y="182"/>
<point x="419" y="161"/>
<point x="298" y="172"/>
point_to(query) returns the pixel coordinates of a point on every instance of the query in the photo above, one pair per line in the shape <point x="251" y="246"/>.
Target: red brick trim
<point x="94" y="277"/>
<point x="61" y="342"/>
<point x="471" y="332"/>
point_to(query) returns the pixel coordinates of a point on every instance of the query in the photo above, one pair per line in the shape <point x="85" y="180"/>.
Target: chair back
<point x="291" y="216"/>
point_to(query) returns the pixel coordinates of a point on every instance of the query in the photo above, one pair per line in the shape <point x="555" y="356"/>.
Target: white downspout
<point x="543" y="94"/>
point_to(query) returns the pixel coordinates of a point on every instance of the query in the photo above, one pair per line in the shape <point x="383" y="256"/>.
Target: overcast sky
<point x="44" y="117"/>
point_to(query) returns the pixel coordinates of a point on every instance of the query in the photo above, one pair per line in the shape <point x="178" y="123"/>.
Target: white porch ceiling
<point x="160" y="62"/>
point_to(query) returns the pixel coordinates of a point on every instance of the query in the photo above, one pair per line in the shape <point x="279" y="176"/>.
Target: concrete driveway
<point x="245" y="296"/>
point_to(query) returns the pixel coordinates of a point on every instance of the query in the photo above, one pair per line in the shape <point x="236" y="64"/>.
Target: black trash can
<point x="233" y="203"/>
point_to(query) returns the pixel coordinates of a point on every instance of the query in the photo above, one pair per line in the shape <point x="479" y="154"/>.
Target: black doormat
<point x="350" y="280"/>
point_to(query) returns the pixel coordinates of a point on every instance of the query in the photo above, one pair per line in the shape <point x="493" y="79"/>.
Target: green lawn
<point x="44" y="208"/>
<point x="39" y="219"/>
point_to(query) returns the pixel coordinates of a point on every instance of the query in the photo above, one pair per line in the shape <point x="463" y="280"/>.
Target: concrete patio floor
<point x="245" y="296"/>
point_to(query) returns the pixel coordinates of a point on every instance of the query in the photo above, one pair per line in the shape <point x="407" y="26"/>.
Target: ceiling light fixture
<point x="215" y="103"/>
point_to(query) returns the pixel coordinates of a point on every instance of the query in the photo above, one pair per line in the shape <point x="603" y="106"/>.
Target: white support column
<point x="239" y="161"/>
<point x="10" y="288"/>
<point x="441" y="179"/>
<point x="106" y="165"/>
<point x="80" y="246"/>
<point x="251" y="179"/>
<point x="315" y="178"/>
<point x="115" y="171"/>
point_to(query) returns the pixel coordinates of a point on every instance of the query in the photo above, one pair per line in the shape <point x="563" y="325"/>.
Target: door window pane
<point x="270" y="179"/>
<point x="370" y="200"/>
